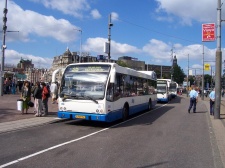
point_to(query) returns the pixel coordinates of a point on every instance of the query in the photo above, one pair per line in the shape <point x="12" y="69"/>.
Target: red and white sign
<point x="208" y="32"/>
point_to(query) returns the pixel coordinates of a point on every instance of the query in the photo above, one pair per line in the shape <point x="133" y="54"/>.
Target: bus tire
<point x="150" y="105"/>
<point x="125" y="112"/>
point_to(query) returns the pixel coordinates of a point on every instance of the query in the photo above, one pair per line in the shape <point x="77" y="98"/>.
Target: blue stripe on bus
<point x="111" y="116"/>
<point x="163" y="99"/>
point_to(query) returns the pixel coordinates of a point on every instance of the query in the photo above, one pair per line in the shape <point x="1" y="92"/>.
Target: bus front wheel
<point x="125" y="112"/>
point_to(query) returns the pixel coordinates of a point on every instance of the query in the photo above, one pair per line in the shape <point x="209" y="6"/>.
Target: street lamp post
<point x="80" y="43"/>
<point x="187" y="77"/>
<point x="109" y="36"/>
<point x="4" y="28"/>
<point x="218" y="64"/>
<point x="202" y="71"/>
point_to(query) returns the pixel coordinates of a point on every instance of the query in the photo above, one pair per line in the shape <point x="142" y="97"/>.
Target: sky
<point x="149" y="30"/>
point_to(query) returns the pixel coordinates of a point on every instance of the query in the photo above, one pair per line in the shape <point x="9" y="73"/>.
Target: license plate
<point x="79" y="116"/>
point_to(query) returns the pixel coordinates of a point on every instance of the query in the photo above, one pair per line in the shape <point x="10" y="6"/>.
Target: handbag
<point x="30" y="104"/>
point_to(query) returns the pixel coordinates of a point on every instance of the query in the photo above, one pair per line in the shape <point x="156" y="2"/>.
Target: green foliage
<point x="178" y="74"/>
<point x="121" y="63"/>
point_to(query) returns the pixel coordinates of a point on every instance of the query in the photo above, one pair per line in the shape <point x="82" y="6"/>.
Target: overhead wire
<point x="164" y="34"/>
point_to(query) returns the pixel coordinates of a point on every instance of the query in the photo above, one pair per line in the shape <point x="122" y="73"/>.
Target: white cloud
<point x="74" y="7"/>
<point x="96" y="47"/>
<point x="95" y="14"/>
<point x="188" y="11"/>
<point x="115" y="16"/>
<point x="31" y="23"/>
<point x="13" y="57"/>
<point x="160" y="52"/>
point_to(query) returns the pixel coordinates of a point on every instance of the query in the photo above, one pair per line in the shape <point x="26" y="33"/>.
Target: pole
<point x="203" y="72"/>
<point x="80" y="44"/>
<point x="187" y="77"/>
<point x="4" y="28"/>
<point x="211" y="78"/>
<point x="161" y="72"/>
<point x="218" y="64"/>
<point x="109" y="36"/>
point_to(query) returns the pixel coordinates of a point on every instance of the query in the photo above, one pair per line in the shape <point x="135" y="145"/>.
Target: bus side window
<point x="109" y="93"/>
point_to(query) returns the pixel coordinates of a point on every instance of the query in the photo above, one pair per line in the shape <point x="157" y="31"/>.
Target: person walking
<point x="13" y="86"/>
<point x="38" y="99"/>
<point x="212" y="101"/>
<point x="222" y="92"/>
<point x="45" y="93"/>
<point x="193" y="99"/>
<point x="26" y="95"/>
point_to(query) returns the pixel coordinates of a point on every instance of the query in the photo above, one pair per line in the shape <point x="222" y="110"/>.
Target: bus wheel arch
<point x="125" y="112"/>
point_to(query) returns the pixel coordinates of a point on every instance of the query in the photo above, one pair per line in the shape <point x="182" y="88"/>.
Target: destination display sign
<point x="88" y="68"/>
<point x="161" y="81"/>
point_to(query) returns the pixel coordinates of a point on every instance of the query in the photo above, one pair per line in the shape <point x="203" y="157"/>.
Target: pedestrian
<point x="26" y="96"/>
<point x="54" y="92"/>
<point x="45" y="93"/>
<point x="38" y="99"/>
<point x="7" y="85"/>
<point x="13" y="86"/>
<point x="222" y="92"/>
<point x="32" y="92"/>
<point x="212" y="101"/>
<point x="193" y="99"/>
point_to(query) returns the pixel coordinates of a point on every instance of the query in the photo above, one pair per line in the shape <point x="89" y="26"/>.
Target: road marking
<point x="74" y="140"/>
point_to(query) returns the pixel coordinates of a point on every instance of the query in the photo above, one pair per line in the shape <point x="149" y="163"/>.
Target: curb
<point x="27" y="123"/>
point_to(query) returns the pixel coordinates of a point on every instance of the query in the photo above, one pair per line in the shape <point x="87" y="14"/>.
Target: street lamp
<point x="80" y="43"/>
<point x="187" y="77"/>
<point x="4" y="28"/>
<point x="109" y="36"/>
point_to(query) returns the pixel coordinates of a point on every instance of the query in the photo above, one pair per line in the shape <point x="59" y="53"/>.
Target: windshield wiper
<point x="69" y="97"/>
<point x="89" y="98"/>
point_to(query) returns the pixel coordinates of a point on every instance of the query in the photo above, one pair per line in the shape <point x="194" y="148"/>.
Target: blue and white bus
<point x="173" y="89"/>
<point x="163" y="90"/>
<point x="104" y="92"/>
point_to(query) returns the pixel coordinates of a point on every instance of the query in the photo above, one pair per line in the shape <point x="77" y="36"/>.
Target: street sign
<point x="208" y="32"/>
<point x="206" y="67"/>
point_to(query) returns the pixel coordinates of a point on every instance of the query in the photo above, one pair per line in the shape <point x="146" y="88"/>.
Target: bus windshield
<point x="161" y="88"/>
<point x="173" y="88"/>
<point x="85" y="82"/>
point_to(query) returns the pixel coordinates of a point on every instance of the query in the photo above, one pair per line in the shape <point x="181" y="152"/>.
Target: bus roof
<point x="124" y="70"/>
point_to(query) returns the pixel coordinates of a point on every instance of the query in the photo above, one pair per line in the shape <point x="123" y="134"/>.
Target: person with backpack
<point x="45" y="96"/>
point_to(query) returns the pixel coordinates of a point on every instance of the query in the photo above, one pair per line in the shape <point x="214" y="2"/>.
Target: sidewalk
<point x="11" y="119"/>
<point x="218" y="127"/>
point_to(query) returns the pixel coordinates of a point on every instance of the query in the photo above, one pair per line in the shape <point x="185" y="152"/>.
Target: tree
<point x="207" y="79"/>
<point x="178" y="74"/>
<point x="122" y="63"/>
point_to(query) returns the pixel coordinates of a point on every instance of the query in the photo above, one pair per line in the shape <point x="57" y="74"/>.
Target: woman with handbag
<point x="26" y="95"/>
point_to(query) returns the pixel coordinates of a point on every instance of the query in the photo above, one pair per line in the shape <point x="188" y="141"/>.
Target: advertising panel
<point x="208" y="32"/>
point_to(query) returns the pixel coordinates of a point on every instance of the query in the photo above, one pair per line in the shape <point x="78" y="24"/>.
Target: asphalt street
<point x="167" y="136"/>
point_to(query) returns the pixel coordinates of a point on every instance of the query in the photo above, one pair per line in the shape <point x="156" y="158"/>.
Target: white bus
<point x="173" y="89"/>
<point x="104" y="92"/>
<point x="163" y="90"/>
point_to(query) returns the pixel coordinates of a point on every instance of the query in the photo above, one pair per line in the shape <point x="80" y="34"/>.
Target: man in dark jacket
<point x="38" y="99"/>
